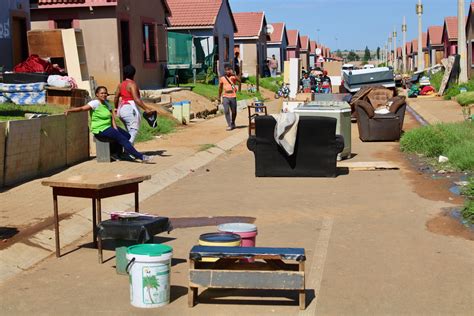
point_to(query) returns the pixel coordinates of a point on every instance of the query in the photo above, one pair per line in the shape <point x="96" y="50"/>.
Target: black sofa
<point x="316" y="149"/>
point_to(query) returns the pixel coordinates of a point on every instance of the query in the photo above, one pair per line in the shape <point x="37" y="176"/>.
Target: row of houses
<point x="121" y="32"/>
<point x="440" y="41"/>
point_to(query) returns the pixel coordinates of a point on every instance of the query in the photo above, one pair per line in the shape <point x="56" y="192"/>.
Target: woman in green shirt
<point x="103" y="123"/>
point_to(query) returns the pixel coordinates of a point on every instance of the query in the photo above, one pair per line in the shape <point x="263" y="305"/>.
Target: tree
<point x="339" y="53"/>
<point x="378" y="53"/>
<point x="367" y="54"/>
<point x="352" y="56"/>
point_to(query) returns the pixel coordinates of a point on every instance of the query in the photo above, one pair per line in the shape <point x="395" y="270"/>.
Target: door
<point x="125" y="42"/>
<point x="19" y="40"/>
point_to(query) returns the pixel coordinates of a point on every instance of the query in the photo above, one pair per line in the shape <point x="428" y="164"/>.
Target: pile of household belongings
<point x="22" y="94"/>
<point x="379" y="97"/>
<point x="424" y="88"/>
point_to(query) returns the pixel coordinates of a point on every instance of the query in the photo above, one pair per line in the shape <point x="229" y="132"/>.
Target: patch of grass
<point x="211" y="92"/>
<point x="165" y="126"/>
<point x="269" y="83"/>
<point x="466" y="98"/>
<point x="468" y="210"/>
<point x="11" y="111"/>
<point x="436" y="79"/>
<point x="453" y="140"/>
<point x="205" y="147"/>
<point x="456" y="89"/>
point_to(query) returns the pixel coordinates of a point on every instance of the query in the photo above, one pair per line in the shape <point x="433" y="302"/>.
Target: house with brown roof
<point x="294" y="44"/>
<point x="435" y="45"/>
<point x="251" y="41"/>
<point x="470" y="40"/>
<point x="116" y="33"/>
<point x="450" y="36"/>
<point x="212" y="25"/>
<point x="304" y="52"/>
<point x="277" y="44"/>
<point x="14" y="23"/>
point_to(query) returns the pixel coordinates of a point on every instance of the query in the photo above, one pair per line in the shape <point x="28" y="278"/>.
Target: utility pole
<point x="404" y="51"/>
<point x="390" y="50"/>
<point x="462" y="49"/>
<point x="386" y="54"/>
<point x="419" y="12"/>
<point x="395" y="61"/>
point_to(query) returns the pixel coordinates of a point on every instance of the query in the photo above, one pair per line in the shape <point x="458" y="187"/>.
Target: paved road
<point x="368" y="247"/>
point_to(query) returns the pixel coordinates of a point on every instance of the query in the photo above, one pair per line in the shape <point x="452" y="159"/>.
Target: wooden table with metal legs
<point x="95" y="187"/>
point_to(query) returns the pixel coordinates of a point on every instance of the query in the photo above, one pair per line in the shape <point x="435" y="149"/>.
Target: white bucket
<point x="149" y="267"/>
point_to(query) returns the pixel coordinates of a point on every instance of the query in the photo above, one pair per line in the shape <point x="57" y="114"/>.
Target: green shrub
<point x="270" y="83"/>
<point x="466" y="98"/>
<point x="453" y="140"/>
<point x="456" y="89"/>
<point x="436" y="79"/>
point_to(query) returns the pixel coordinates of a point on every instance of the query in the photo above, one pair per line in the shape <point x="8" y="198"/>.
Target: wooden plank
<point x="263" y="280"/>
<point x="94" y="181"/>
<point x="198" y="252"/>
<point x="367" y="165"/>
<point x="46" y="43"/>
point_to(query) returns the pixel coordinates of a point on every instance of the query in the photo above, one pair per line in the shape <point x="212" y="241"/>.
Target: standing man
<point x="228" y="96"/>
<point x="326" y="84"/>
<point x="273" y="64"/>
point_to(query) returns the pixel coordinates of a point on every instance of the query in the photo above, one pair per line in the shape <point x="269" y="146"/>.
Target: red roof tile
<point x="435" y="35"/>
<point x="194" y="13"/>
<point x="408" y="48"/>
<point x="312" y="47"/>
<point x="451" y="27"/>
<point x="293" y="38"/>
<point x="424" y="40"/>
<point x="304" y="42"/>
<point x="399" y="51"/>
<point x="249" y="24"/>
<point x="278" y="32"/>
<point x="414" y="48"/>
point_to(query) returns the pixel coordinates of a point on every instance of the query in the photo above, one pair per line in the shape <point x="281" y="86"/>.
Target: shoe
<point x="229" y="128"/>
<point x="233" y="126"/>
<point x="147" y="159"/>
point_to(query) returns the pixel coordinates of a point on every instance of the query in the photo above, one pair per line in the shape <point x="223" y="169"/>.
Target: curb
<point x="417" y="116"/>
<point x="24" y="255"/>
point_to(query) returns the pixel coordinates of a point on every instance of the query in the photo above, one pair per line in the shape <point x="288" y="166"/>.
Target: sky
<point x="351" y="24"/>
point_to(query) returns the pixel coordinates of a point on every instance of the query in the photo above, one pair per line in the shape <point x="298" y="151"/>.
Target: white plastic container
<point x="149" y="267"/>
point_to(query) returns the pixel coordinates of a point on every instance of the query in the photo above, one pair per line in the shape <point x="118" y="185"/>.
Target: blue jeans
<point x="122" y="137"/>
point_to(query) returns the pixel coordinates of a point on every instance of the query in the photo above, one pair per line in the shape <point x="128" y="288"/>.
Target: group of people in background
<point x="316" y="81"/>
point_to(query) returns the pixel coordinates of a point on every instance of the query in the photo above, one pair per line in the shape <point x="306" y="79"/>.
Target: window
<point x="63" y="23"/>
<point x="149" y="43"/>
<point x="226" y="48"/>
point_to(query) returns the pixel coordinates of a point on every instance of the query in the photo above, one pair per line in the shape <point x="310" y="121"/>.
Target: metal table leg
<point x="99" y="220"/>
<point x="56" y="225"/>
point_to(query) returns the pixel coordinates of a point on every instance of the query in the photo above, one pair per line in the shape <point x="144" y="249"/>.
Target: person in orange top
<point x="228" y="96"/>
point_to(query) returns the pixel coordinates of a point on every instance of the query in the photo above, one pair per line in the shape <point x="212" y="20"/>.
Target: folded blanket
<point x="286" y="130"/>
<point x="22" y="87"/>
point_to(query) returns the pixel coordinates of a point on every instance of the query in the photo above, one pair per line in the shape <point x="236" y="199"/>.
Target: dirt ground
<point x="367" y="244"/>
<point x="198" y="103"/>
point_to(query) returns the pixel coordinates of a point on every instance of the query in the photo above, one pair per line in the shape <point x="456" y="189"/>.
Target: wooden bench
<point x="231" y="272"/>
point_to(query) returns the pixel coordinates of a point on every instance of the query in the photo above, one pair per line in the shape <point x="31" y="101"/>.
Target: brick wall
<point x="40" y="146"/>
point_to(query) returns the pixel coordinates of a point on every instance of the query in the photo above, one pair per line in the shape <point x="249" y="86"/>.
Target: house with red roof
<point x="409" y="52"/>
<point x="277" y="44"/>
<point x="470" y="40"/>
<point x="304" y="52"/>
<point x="14" y="23"/>
<point x="450" y="36"/>
<point x="212" y="25"/>
<point x="294" y="44"/>
<point x="434" y="39"/>
<point x="251" y="41"/>
<point x="116" y="33"/>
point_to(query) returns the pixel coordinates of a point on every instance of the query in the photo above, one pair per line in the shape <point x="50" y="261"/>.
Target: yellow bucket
<point x="218" y="240"/>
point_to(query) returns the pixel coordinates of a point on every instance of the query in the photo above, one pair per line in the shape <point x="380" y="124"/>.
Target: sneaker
<point x="229" y="128"/>
<point x="147" y="159"/>
<point x="233" y="126"/>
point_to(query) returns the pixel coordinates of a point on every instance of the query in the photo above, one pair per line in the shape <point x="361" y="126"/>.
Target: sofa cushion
<point x="369" y="109"/>
<point x="379" y="97"/>
<point x="396" y="103"/>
